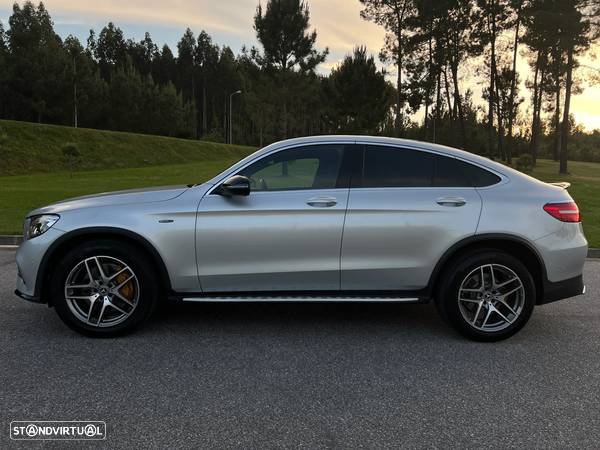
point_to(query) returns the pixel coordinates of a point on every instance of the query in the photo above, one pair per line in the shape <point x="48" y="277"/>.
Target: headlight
<point x="36" y="225"/>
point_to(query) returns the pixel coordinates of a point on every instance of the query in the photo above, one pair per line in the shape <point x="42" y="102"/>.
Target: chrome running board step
<point x="302" y="298"/>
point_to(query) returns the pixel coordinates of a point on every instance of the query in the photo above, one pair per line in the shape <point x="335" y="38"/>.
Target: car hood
<point x="130" y="196"/>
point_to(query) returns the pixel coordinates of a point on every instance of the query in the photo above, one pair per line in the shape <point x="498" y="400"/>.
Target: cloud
<point x="216" y="16"/>
<point x="337" y="21"/>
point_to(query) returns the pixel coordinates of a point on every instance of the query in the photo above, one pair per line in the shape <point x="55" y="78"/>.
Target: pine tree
<point x="577" y="32"/>
<point x="164" y="67"/>
<point x="394" y="16"/>
<point x="517" y="9"/>
<point x="186" y="65"/>
<point x="110" y="50"/>
<point x="359" y="98"/>
<point x="288" y="47"/>
<point x="75" y="52"/>
<point x="207" y="58"/>
<point x="37" y="65"/>
<point x="493" y="22"/>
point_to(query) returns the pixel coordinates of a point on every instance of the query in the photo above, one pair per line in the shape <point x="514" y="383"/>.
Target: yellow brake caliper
<point x="128" y="289"/>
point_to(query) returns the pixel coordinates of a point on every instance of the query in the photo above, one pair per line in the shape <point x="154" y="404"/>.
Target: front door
<point x="286" y="235"/>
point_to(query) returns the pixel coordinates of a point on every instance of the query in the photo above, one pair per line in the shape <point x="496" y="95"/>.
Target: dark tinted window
<point x="310" y="167"/>
<point x="480" y="177"/>
<point x="450" y="172"/>
<point x="397" y="167"/>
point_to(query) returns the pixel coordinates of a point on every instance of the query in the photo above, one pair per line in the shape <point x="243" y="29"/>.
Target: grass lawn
<point x="21" y="193"/>
<point x="27" y="148"/>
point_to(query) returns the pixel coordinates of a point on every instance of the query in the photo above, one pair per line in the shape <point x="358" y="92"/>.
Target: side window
<point x="450" y="172"/>
<point x="480" y="177"/>
<point x="397" y="167"/>
<point x="310" y="167"/>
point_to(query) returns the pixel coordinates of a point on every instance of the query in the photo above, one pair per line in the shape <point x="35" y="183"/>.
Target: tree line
<point x="437" y="50"/>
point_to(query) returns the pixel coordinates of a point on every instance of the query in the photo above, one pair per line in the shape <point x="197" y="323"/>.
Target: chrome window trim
<point x="279" y="147"/>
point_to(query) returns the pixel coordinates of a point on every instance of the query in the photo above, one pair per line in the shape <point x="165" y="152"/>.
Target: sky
<point x="229" y="22"/>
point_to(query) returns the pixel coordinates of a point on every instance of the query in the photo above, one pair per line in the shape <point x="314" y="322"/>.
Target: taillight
<point x="565" y="212"/>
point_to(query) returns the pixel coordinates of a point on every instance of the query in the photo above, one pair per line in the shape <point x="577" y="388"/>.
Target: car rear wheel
<point x="104" y="288"/>
<point x="487" y="296"/>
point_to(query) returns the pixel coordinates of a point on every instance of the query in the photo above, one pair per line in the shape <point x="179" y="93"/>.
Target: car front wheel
<point x="487" y="296"/>
<point x="104" y="288"/>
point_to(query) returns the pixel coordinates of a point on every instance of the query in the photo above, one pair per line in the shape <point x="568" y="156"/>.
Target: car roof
<point x="398" y="142"/>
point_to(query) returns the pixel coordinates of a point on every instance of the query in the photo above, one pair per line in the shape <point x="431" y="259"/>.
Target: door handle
<point x="322" y="202"/>
<point x="451" y="201"/>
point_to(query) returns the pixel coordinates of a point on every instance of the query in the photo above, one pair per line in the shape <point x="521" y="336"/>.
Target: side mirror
<point x="235" y="185"/>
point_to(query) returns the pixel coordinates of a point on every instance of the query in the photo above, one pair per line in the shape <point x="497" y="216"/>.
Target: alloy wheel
<point x="102" y="291"/>
<point x="491" y="297"/>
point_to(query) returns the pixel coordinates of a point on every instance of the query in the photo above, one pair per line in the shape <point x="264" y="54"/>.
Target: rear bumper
<point x="563" y="253"/>
<point x="562" y="289"/>
<point x="29" y="298"/>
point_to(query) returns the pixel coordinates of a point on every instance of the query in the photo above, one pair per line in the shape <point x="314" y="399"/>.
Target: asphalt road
<point x="310" y="376"/>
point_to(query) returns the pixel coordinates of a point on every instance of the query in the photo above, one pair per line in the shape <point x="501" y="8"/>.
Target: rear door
<point x="286" y="235"/>
<point x="405" y="209"/>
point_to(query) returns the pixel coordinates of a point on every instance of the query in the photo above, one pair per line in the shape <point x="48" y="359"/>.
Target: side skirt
<point x="308" y="297"/>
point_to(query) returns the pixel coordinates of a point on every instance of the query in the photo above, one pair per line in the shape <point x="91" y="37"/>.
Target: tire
<point x="491" y="310"/>
<point x="108" y="303"/>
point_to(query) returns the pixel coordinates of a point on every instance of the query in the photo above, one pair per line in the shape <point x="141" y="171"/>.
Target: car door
<point x="284" y="236"/>
<point x="405" y="209"/>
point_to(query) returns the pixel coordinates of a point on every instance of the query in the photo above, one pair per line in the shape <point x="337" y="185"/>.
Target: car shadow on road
<point x="256" y="318"/>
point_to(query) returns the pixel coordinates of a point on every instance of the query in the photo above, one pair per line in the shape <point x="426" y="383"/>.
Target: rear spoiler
<point x="561" y="184"/>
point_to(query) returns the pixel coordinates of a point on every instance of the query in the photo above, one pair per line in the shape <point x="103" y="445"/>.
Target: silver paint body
<point x="370" y="239"/>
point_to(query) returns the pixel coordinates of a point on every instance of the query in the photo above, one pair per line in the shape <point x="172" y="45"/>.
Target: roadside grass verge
<point x="22" y="193"/>
<point x="27" y="148"/>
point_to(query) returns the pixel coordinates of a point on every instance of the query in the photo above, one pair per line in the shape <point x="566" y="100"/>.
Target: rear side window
<point x="480" y="177"/>
<point x="397" y="167"/>
<point x="450" y="172"/>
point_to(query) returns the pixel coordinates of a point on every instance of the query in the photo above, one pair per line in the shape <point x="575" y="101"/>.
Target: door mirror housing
<point x="235" y="185"/>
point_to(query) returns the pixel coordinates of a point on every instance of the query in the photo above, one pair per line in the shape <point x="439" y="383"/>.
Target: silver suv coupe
<point x="319" y="219"/>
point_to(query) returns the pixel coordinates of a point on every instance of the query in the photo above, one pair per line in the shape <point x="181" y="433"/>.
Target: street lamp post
<point x="231" y="115"/>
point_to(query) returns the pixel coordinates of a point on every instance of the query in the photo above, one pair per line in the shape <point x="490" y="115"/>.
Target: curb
<point x="10" y="240"/>
<point x="16" y="240"/>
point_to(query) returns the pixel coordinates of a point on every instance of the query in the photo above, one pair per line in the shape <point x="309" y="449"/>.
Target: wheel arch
<point x="513" y="245"/>
<point x="72" y="238"/>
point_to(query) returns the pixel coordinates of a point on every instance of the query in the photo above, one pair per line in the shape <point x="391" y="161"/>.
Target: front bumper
<point x="29" y="257"/>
